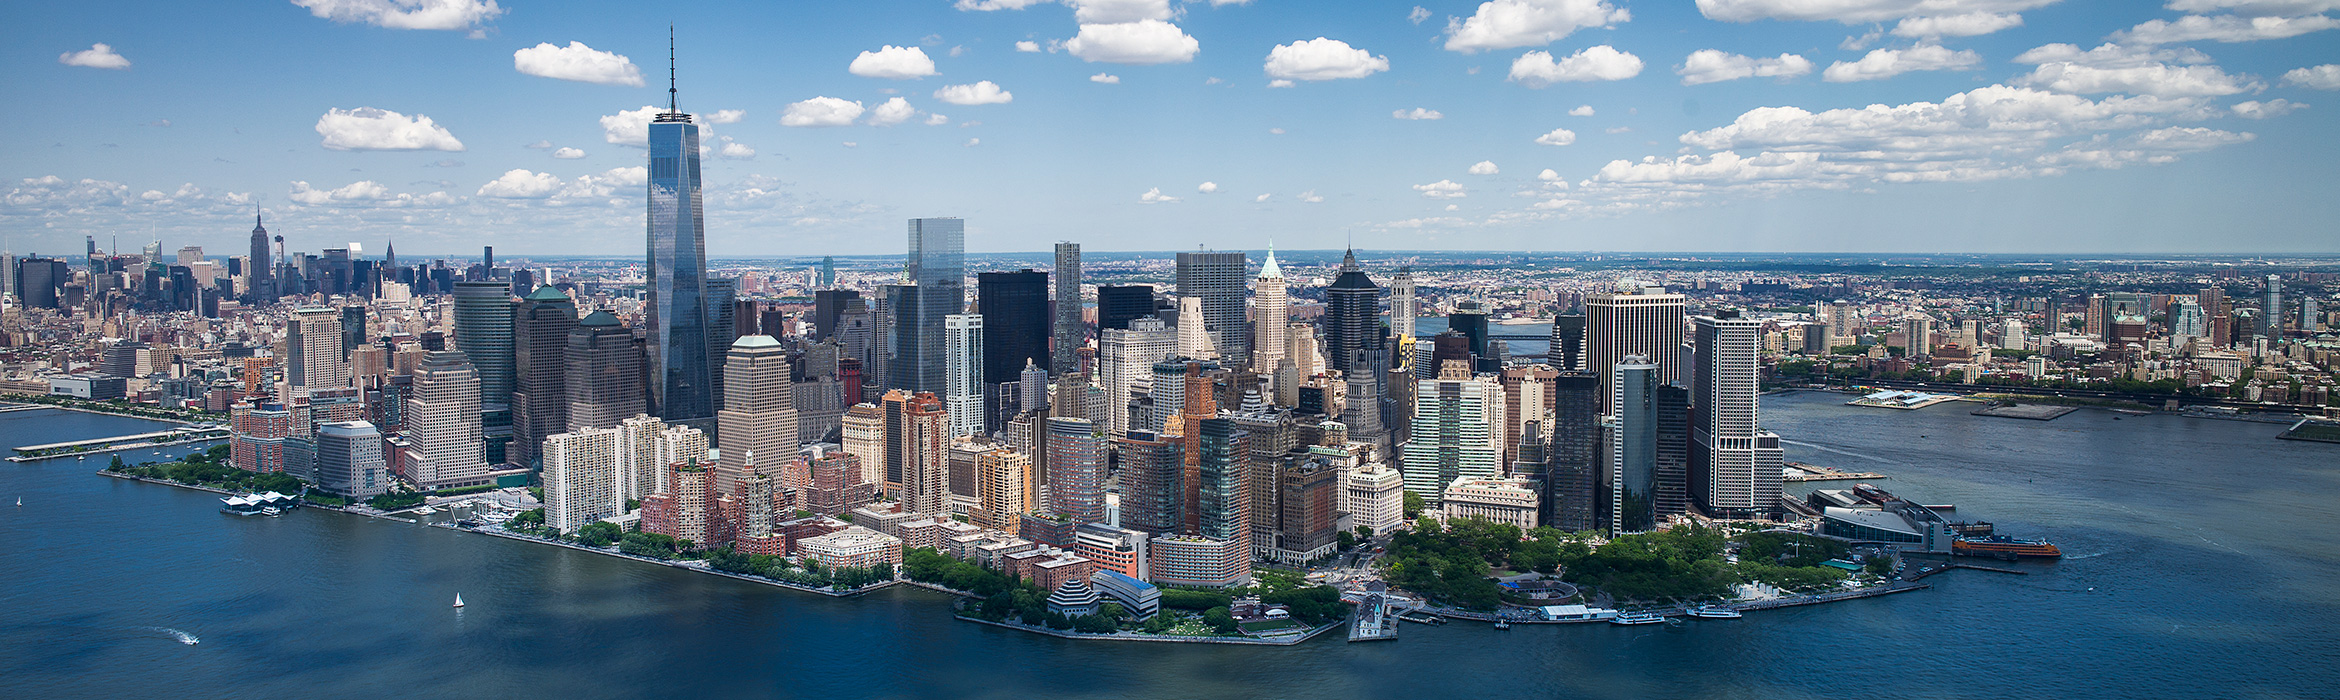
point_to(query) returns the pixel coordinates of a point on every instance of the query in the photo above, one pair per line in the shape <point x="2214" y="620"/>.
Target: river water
<point x="2201" y="565"/>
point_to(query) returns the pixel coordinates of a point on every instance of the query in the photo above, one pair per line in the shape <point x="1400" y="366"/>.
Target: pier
<point x="160" y="438"/>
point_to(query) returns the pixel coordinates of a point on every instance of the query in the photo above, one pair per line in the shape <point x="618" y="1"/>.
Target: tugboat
<point x="2004" y="547"/>
<point x="1714" y="612"/>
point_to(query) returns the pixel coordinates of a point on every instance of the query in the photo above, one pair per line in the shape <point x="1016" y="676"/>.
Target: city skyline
<point x="2063" y="142"/>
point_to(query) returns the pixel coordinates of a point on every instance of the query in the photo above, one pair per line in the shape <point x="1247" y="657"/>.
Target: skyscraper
<point x="1572" y="481"/>
<point x="1014" y="306"/>
<point x="1274" y="303"/>
<point x="1216" y="281"/>
<point x="721" y="293"/>
<point x="1403" y="306"/>
<point x="1195" y="339"/>
<point x="261" y="285"/>
<point x="828" y="309"/>
<point x="924" y="436"/>
<point x="603" y="382"/>
<point x="1457" y="420"/>
<point x="1734" y="463"/>
<point x="963" y="383"/>
<point x="936" y="269"/>
<point x="1118" y="305"/>
<point x="483" y="331"/>
<point x="1352" y="318"/>
<point x="1072" y="332"/>
<point x="1076" y="470"/>
<point x="1632" y="431"/>
<point x="540" y="364"/>
<point x="1567" y="349"/>
<point x="580" y="478"/>
<point x="1125" y="361"/>
<point x="445" y="445"/>
<point x="675" y="308"/>
<point x="315" y="344"/>
<point x="2271" y="308"/>
<point x="1640" y="320"/>
<point x="349" y="460"/>
<point x="757" y="426"/>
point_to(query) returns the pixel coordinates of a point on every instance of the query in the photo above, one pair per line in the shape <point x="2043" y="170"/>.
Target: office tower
<point x="1308" y="496"/>
<point x="1221" y="492"/>
<point x="924" y="437"/>
<point x="602" y="380"/>
<point x="828" y="274"/>
<point x="1567" y="349"/>
<point x="858" y="332"/>
<point x="580" y="478"/>
<point x="259" y="285"/>
<point x="314" y="341"/>
<point x="2221" y="317"/>
<point x="1273" y="299"/>
<point x="445" y="445"/>
<point x="1003" y="490"/>
<point x="1150" y="482"/>
<point x="349" y="460"/>
<point x="2271" y="309"/>
<point x="1631" y="425"/>
<point x="1670" y="492"/>
<point x="1166" y="396"/>
<point x="540" y="367"/>
<point x="1215" y="280"/>
<point x="963" y="386"/>
<point x="1352" y="318"/>
<point x="828" y="311"/>
<point x="1032" y="389"/>
<point x="1362" y="411"/>
<point x="2097" y="316"/>
<point x="1194" y="338"/>
<point x="353" y="330"/>
<point x="1470" y="319"/>
<point x="1305" y="351"/>
<point x="1643" y="321"/>
<point x="2013" y="337"/>
<point x="863" y="435"/>
<point x="1076" y="470"/>
<point x="1403" y="307"/>
<point x="2311" y="315"/>
<point x="1457" y="419"/>
<point x="1527" y="399"/>
<point x="1118" y="305"/>
<point x="936" y="269"/>
<point x="1014" y="306"/>
<point x="1071" y="331"/>
<point x="721" y="293"/>
<point x="483" y="331"/>
<point x="1734" y="463"/>
<point x="675" y="311"/>
<point x="757" y="426"/>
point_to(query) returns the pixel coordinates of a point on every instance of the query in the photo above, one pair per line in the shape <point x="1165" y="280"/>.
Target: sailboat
<point x="458" y="600"/>
<point x="20" y="501"/>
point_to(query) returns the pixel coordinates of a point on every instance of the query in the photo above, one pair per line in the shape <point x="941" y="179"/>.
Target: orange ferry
<point x="2004" y="547"/>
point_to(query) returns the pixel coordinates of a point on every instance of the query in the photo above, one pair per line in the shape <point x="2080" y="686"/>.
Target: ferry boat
<point x="1714" y="612"/>
<point x="1638" y="619"/>
<point x="2004" y="547"/>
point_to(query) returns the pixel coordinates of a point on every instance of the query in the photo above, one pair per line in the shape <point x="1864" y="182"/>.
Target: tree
<point x="599" y="534"/>
<point x="1345" y="540"/>
<point x="118" y="465"/>
<point x="884" y="571"/>
<point x="1219" y="620"/>
<point x="1413" y="505"/>
<point x="1364" y="532"/>
<point x="1112" y="611"/>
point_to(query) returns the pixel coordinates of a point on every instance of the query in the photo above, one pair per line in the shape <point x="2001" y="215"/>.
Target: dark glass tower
<point x="541" y="347"/>
<point x="681" y="388"/>
<point x="483" y="331"/>
<point x="937" y="268"/>
<point x="1218" y="279"/>
<point x="1117" y="306"/>
<point x="1352" y="317"/>
<point x="1072" y="333"/>
<point x="1015" y="322"/>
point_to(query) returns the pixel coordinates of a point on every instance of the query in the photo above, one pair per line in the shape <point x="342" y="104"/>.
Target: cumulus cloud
<point x="2110" y="56"/>
<point x="980" y="93"/>
<point x="1854" y="11"/>
<point x="97" y="56"/>
<point x="1261" y="199"/>
<point x="1310" y="197"/>
<point x="891" y="112"/>
<point x="1711" y="66"/>
<point x="519" y="183"/>
<point x="1886" y="63"/>
<point x="727" y="116"/>
<point x="1504" y="24"/>
<point x="567" y="153"/>
<point x="364" y="193"/>
<point x="735" y="150"/>
<point x="1417" y="113"/>
<point x="821" y="111"/>
<point x="2255" y="109"/>
<point x="370" y="129"/>
<point x="990" y="5"/>
<point x="971" y="143"/>
<point x="1028" y="47"/>
<point x="577" y="62"/>
<point x="1557" y="137"/>
<point x="1118" y="11"/>
<point x="1281" y="83"/>
<point x="406" y="14"/>
<point x="1207" y="187"/>
<point x="1322" y="59"/>
<point x="2257" y="8"/>
<point x="2228" y="29"/>
<point x="1142" y="43"/>
<point x="629" y="127"/>
<point x="1581" y="111"/>
<point x="1536" y="69"/>
<point x="937" y="120"/>
<point x="1420" y="13"/>
<point x="1969" y="24"/>
<point x="1484" y="167"/>
<point x="2157" y="79"/>
<point x="893" y="62"/>
<point x="1106" y="78"/>
<point x="2323" y="77"/>
<point x="599" y="189"/>
<point x="1155" y="196"/>
<point x="540" y="143"/>
<point x="1442" y="189"/>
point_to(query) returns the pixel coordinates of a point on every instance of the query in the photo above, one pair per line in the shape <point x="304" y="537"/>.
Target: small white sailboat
<point x="20" y="501"/>
<point x="458" y="600"/>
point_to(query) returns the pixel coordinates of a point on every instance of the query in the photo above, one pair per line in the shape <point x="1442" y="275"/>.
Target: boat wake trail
<point x="1825" y="448"/>
<point x="181" y="635"/>
<point x="2091" y="555"/>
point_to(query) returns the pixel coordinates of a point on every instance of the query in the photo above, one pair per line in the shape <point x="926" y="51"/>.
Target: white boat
<point x="20" y="501"/>
<point x="1638" y="619"/>
<point x="458" y="600"/>
<point x="1714" y="612"/>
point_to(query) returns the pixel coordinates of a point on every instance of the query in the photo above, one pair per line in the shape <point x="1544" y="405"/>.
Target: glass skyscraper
<point x="937" y="269"/>
<point x="1218" y="280"/>
<point x="681" y="388"/>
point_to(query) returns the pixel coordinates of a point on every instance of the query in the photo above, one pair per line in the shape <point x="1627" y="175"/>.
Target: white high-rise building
<point x="1375" y="497"/>
<point x="676" y="444"/>
<point x="2011" y="333"/>
<point x="581" y="478"/>
<point x="1273" y="308"/>
<point x="1194" y="339"/>
<point x="1734" y="463"/>
<point x="1304" y="349"/>
<point x="1457" y="418"/>
<point x="350" y="461"/>
<point x="1125" y="364"/>
<point x="1917" y="334"/>
<point x="864" y="437"/>
<point x="638" y="465"/>
<point x="1638" y="320"/>
<point x="1403" y="307"/>
<point x="315" y="345"/>
<point x="445" y="446"/>
<point x="963" y="373"/>
<point x="758" y="419"/>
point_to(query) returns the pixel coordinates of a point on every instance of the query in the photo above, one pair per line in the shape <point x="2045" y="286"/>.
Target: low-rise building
<point x="852" y="547"/>
<point x="1508" y="501"/>
<point x="1113" y="548"/>
<point x="1141" y="599"/>
<point x="1187" y="560"/>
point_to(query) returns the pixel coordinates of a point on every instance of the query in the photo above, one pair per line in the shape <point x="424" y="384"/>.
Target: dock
<point x="1806" y="472"/>
<point x="160" y="438"/>
<point x="1902" y="400"/>
<point x="2025" y="412"/>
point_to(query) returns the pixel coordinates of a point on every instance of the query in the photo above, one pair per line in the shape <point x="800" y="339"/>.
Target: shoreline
<point x="1124" y="637"/>
<point x="25" y="401"/>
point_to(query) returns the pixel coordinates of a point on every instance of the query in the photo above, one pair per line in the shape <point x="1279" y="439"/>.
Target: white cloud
<point x="2223" y="28"/>
<point x="1549" y="175"/>
<point x="1106" y="78"/>
<point x="1886" y="63"/>
<point x="2157" y="79"/>
<point x="1969" y="24"/>
<point x="1261" y="198"/>
<point x="1557" y="137"/>
<point x="1617" y="130"/>
<point x="982" y="92"/>
<point x="629" y="127"/>
<point x="1280" y="83"/>
<point x="1854" y="11"/>
<point x="1155" y="196"/>
<point x="820" y="111"/>
<point x="937" y="120"/>
<point x="567" y="153"/>
<point x="365" y="193"/>
<point x="1711" y="66"/>
<point x="1279" y="131"/>
<point x="599" y="189"/>
<point x="1503" y="24"/>
<point x="406" y="14"/>
<point x="989" y="5"/>
<point x="370" y="129"/>
<point x="1536" y="69"/>
<point x="971" y="143"/>
<point x="97" y="56"/>
<point x="735" y="150"/>
<point x="2257" y="8"/>
<point x="727" y="116"/>
<point x="520" y="184"/>
<point x="1484" y="167"/>
<point x="2110" y="56"/>
<point x="892" y="111"/>
<point x="1442" y="189"/>
<point x="1148" y="42"/>
<point x="2255" y="109"/>
<point x="1311" y="197"/>
<point x="893" y="62"/>
<point x="1322" y="59"/>
<point x="1207" y="187"/>
<point x="577" y="62"/>
<point x="1420" y="13"/>
<point x="540" y="143"/>
<point x="1028" y="47"/>
<point x="2323" y="77"/>
<point x="1417" y="113"/>
<point x="1581" y="111"/>
<point x="1118" y="11"/>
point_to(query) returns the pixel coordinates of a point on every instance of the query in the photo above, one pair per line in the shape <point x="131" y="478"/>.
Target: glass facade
<point x="680" y="383"/>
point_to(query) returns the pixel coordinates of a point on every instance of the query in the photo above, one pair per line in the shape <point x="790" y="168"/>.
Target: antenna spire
<point x="671" y="101"/>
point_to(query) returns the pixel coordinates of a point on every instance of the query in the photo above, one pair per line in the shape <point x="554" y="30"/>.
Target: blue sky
<point x="2191" y="126"/>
